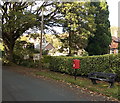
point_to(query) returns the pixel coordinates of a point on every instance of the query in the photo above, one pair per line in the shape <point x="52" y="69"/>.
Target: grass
<point x="101" y="87"/>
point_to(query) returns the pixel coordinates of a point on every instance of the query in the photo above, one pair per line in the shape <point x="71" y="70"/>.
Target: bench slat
<point x="108" y="77"/>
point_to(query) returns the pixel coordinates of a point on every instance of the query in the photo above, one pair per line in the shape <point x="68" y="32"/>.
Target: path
<point x="17" y="87"/>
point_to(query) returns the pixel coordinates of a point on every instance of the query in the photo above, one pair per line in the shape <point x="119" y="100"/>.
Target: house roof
<point x="48" y="45"/>
<point x="119" y="39"/>
<point x="115" y="39"/>
<point x="114" y="43"/>
<point x="44" y="45"/>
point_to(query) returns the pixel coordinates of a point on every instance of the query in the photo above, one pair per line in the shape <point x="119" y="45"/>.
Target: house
<point x="45" y="45"/>
<point x="114" y="45"/>
<point x="48" y="46"/>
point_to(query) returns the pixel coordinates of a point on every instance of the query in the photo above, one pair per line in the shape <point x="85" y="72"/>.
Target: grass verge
<point x="101" y="87"/>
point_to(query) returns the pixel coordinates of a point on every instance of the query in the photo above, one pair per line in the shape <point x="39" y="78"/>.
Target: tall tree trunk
<point x="9" y="50"/>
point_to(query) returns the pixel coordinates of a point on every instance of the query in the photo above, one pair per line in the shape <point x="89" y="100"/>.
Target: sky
<point x="113" y="9"/>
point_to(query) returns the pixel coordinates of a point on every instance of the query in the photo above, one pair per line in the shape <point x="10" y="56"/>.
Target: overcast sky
<point x="113" y="9"/>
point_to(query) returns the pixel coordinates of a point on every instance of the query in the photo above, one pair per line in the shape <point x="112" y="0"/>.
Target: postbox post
<point x="75" y="73"/>
<point x="76" y="65"/>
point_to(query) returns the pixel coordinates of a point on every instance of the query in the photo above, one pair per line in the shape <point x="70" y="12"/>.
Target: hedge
<point x="102" y="63"/>
<point x="27" y="63"/>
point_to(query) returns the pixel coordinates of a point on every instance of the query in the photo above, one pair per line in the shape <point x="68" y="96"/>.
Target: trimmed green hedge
<point x="102" y="63"/>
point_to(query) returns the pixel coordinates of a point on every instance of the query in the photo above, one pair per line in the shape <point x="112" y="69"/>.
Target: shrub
<point x="28" y="63"/>
<point x="102" y="63"/>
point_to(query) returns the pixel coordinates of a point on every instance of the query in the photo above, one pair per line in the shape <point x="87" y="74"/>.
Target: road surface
<point x="17" y="87"/>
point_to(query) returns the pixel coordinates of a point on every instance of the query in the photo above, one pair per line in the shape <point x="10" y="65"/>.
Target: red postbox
<point x="76" y="64"/>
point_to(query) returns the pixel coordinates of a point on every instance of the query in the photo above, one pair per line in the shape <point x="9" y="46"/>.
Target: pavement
<point x="18" y="87"/>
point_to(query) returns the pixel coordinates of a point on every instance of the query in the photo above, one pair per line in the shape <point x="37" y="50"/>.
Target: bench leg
<point x="93" y="81"/>
<point x="111" y="84"/>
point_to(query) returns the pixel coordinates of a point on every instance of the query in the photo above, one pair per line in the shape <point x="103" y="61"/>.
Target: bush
<point x="102" y="63"/>
<point x="21" y="49"/>
<point x="45" y="52"/>
<point x="28" y="63"/>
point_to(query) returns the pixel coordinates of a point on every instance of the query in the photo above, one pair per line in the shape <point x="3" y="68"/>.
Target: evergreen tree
<point x="78" y="22"/>
<point x="99" y="43"/>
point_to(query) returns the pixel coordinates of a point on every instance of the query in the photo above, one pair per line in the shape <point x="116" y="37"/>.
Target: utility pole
<point x="41" y="37"/>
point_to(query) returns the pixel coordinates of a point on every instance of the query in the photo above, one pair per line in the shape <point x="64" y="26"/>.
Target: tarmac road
<point x="17" y="87"/>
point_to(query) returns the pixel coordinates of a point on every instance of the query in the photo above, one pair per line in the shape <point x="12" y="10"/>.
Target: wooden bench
<point x="107" y="77"/>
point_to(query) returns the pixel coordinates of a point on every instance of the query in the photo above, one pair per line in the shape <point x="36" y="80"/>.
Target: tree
<point x="53" y="40"/>
<point x="17" y="19"/>
<point x="114" y="30"/>
<point x="99" y="43"/>
<point x="118" y="33"/>
<point x="23" y="48"/>
<point x="78" y="20"/>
